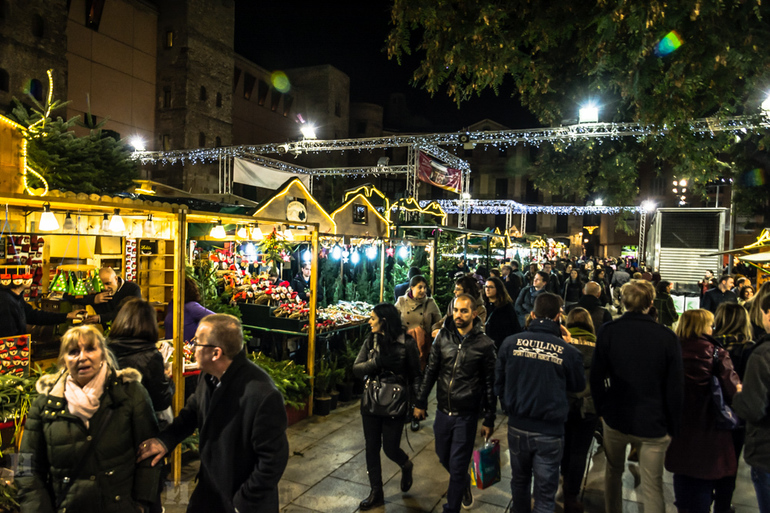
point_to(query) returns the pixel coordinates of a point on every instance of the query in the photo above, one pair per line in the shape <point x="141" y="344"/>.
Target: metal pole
<point x="642" y="236"/>
<point x="382" y="272"/>
<point x="313" y="301"/>
<point x="180" y="262"/>
<point x="732" y="228"/>
<point x="436" y="235"/>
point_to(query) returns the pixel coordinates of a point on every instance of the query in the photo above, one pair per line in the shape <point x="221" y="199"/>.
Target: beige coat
<point x="415" y="313"/>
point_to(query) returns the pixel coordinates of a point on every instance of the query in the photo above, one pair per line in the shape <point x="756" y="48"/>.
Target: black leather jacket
<point x="368" y="364"/>
<point x="465" y="372"/>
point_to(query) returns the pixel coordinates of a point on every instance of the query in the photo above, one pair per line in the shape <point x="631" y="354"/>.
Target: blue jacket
<point x="526" y="302"/>
<point x="533" y="373"/>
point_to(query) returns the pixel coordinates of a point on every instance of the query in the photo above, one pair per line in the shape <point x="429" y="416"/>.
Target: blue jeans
<point x="539" y="454"/>
<point x="761" y="480"/>
<point x="455" y="436"/>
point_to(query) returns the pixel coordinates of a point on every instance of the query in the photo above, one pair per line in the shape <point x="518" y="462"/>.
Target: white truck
<point x="677" y="240"/>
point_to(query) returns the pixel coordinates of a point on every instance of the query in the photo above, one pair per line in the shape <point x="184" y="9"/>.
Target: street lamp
<point x="598" y="202"/>
<point x="588" y="114"/>
<point x="138" y="143"/>
<point x="308" y="131"/>
<point x="766" y="106"/>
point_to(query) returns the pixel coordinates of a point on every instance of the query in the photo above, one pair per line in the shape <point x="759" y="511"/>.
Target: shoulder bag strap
<point x="88" y="452"/>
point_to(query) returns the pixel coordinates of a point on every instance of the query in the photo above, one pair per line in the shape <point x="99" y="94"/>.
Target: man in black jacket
<point x="107" y="304"/>
<point x="242" y="422"/>
<point x="592" y="291"/>
<point x="16" y="313"/>
<point x="637" y="383"/>
<point x="722" y="293"/>
<point x="462" y="361"/>
<point x="533" y="374"/>
<point x="752" y="404"/>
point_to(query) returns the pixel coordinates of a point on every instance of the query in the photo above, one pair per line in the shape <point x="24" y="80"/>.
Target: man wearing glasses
<point x="242" y="422"/>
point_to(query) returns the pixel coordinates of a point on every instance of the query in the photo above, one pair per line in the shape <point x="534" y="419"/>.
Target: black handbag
<point x="385" y="395"/>
<point x="725" y="416"/>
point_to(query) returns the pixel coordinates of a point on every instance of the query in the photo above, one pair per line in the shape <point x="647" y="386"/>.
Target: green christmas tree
<point x="97" y="163"/>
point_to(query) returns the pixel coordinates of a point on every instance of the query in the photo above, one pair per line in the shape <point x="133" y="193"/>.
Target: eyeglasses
<point x="489" y="286"/>
<point x="194" y="342"/>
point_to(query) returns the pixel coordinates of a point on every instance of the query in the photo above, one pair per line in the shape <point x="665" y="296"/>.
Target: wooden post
<point x="180" y="246"/>
<point x="436" y="234"/>
<point x="311" y="332"/>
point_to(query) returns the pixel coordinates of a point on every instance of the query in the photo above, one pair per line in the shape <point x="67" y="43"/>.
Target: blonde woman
<point x="702" y="457"/>
<point x="82" y="433"/>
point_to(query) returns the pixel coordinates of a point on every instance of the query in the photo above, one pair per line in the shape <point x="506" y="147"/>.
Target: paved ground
<point x="327" y="473"/>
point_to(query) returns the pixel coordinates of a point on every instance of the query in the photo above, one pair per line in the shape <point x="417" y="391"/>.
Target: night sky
<point x="350" y="35"/>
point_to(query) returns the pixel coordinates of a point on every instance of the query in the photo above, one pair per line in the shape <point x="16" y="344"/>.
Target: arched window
<point x="36" y="89"/>
<point x="218" y="142"/>
<point x="201" y="140"/>
<point x="38" y="25"/>
<point x="219" y="99"/>
<point x="202" y="97"/>
<point x="5" y="81"/>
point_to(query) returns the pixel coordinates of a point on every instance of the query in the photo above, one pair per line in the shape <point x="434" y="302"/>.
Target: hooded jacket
<point x="534" y="371"/>
<point x="55" y="442"/>
<point x="144" y="356"/>
<point x="464" y="368"/>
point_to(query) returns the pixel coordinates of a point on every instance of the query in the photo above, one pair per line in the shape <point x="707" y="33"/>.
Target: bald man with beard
<point x="592" y="291"/>
<point x="107" y="304"/>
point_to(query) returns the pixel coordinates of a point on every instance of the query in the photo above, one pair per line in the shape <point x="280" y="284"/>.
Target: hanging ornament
<point x="60" y="282"/>
<point x="70" y="285"/>
<point x="97" y="283"/>
<point x="80" y="287"/>
<point x="390" y="251"/>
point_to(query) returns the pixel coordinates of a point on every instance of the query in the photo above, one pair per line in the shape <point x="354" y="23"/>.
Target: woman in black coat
<point x="573" y="288"/>
<point x="132" y="340"/>
<point x="387" y="351"/>
<point x="502" y="320"/>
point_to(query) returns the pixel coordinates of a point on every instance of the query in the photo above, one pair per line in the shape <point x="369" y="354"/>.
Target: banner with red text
<point x="432" y="171"/>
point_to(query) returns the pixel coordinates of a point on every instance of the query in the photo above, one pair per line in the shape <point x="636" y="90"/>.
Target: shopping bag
<point x="485" y="469"/>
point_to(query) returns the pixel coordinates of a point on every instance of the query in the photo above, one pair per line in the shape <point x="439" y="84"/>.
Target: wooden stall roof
<point x="276" y="207"/>
<point x="375" y="226"/>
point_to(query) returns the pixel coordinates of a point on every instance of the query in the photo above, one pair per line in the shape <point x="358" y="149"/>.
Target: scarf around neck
<point x="84" y="401"/>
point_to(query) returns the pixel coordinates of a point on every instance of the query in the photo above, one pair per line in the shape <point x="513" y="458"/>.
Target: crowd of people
<point x="545" y="344"/>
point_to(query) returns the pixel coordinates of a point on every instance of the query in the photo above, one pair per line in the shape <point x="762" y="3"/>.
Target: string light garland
<point x="499" y="207"/>
<point x="430" y="142"/>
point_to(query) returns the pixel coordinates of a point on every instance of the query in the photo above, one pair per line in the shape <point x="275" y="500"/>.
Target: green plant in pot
<point x="321" y="383"/>
<point x="346" y="360"/>
<point x="336" y="375"/>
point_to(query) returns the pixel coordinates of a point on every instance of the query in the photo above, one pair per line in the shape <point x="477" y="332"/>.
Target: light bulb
<point x="116" y="222"/>
<point x="306" y="255"/>
<point x="242" y="233"/>
<point x="48" y="222"/>
<point x="149" y="227"/>
<point x="256" y="234"/>
<point x="403" y="252"/>
<point x="218" y="231"/>
<point x="336" y="252"/>
<point x="371" y="252"/>
<point x="355" y="257"/>
<point x="69" y="224"/>
<point x="106" y="223"/>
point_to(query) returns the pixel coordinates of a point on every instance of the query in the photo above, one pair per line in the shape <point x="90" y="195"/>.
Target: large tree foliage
<point x="95" y="163"/>
<point x="558" y="55"/>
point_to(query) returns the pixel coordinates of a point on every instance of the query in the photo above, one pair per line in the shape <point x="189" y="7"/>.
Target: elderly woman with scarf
<point x="82" y="433"/>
